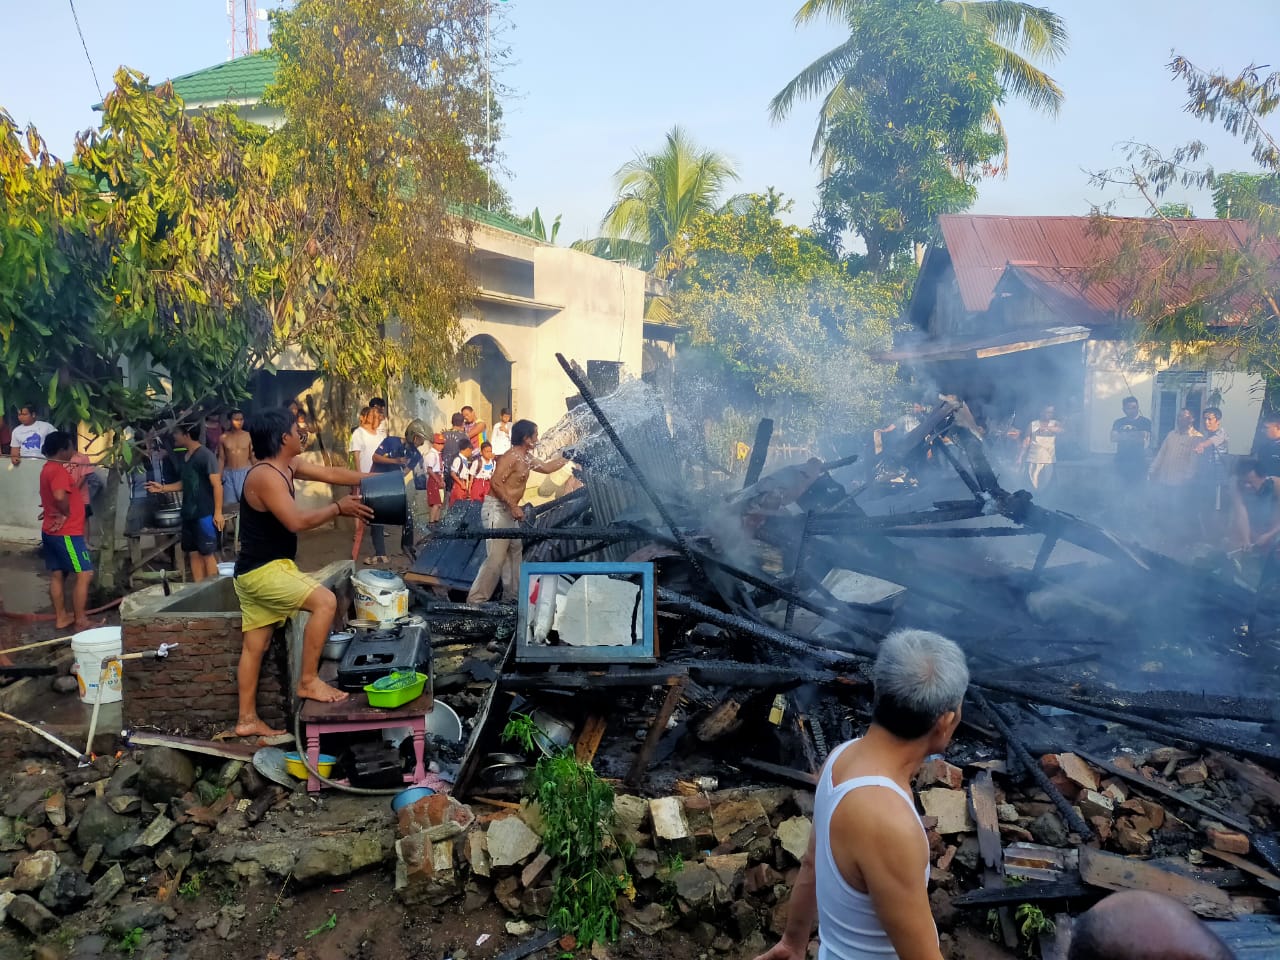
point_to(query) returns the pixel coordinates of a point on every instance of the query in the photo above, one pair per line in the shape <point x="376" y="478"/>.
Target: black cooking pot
<point x="388" y="496"/>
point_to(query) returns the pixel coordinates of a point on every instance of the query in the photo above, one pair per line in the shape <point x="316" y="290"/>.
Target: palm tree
<point x="1018" y="33"/>
<point x="658" y="195"/>
<point x="538" y="227"/>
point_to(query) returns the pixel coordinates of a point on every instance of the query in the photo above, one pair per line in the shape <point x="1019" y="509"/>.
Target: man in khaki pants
<point x="501" y="510"/>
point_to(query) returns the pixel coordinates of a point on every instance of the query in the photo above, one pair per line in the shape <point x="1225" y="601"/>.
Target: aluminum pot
<point x="336" y="646"/>
<point x="505" y="775"/>
<point x="169" y="517"/>
<point x="553" y="733"/>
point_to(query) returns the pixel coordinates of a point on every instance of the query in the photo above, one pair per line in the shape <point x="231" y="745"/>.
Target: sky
<point x="590" y="83"/>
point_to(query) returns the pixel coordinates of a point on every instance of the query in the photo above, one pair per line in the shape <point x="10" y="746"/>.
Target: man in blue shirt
<point x="395" y="453"/>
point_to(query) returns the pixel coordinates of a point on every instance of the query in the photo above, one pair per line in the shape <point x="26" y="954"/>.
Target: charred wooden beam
<point x="796" y="566"/>
<point x="759" y="452"/>
<point x="833" y="612"/>
<point x="723" y="673"/>
<point x="850" y="524"/>
<point x="784" y="640"/>
<point x="1069" y="815"/>
<point x="1168" y="793"/>
<point x="975" y="450"/>
<point x="934" y="422"/>
<point x="955" y="533"/>
<point x="965" y="476"/>
<point x="656" y="729"/>
<point x="1029" y="892"/>
<point x="1163" y="731"/>
<point x="797" y="778"/>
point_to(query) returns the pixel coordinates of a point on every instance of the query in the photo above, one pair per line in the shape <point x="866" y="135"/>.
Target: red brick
<point x="939" y="771"/>
<point x="1229" y="841"/>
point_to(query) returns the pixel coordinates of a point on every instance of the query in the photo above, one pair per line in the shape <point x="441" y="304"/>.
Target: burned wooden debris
<point x="1090" y="713"/>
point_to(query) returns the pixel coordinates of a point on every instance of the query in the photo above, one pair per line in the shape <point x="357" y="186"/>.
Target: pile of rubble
<point x="718" y="864"/>
<point x="111" y="844"/>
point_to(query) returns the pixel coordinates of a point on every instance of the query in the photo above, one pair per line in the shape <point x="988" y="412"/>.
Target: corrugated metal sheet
<point x="1062" y="254"/>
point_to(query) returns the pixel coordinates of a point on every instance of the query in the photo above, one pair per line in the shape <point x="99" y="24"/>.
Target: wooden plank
<point x="1038" y="862"/>
<point x="656" y="730"/>
<point x="1265" y="877"/>
<point x="1168" y="793"/>
<point x="228" y="750"/>
<point x="1024" y="893"/>
<point x="589" y="739"/>
<point x="982" y="804"/>
<point x="801" y="778"/>
<point x="1111" y="871"/>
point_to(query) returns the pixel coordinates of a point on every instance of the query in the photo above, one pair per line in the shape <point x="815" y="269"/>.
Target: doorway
<point x="484" y="377"/>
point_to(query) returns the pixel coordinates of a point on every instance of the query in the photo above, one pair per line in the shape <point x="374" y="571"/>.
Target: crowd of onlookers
<point x="190" y="475"/>
<point x="448" y="465"/>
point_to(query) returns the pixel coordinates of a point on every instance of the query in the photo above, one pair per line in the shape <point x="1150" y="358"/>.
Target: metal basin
<point x="336" y="646"/>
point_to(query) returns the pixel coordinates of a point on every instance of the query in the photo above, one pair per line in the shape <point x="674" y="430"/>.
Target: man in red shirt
<point x="66" y="554"/>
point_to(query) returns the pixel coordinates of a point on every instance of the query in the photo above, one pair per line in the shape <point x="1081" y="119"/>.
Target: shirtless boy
<point x="235" y="456"/>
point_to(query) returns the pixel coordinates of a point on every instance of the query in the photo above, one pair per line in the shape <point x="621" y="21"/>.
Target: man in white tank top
<point x="865" y="878"/>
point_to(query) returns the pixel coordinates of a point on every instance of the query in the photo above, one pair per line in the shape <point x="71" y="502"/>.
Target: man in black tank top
<point x="268" y="582"/>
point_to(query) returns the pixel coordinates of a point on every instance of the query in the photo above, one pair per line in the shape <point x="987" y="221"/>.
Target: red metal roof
<point x="1062" y="254"/>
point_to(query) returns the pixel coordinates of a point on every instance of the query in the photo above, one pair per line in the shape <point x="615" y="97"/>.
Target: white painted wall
<point x="602" y="319"/>
<point x="1113" y="372"/>
<point x="20" y="502"/>
<point x="1241" y="403"/>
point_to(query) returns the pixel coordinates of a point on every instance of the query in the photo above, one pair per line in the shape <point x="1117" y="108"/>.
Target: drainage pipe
<point x="43" y="733"/>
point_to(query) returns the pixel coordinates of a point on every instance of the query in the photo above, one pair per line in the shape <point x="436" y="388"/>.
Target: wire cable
<point x="76" y="17"/>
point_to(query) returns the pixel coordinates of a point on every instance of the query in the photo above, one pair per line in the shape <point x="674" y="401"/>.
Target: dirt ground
<point x="369" y="923"/>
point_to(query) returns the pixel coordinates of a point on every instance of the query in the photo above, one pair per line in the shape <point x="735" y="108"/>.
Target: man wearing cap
<point x="394" y="454"/>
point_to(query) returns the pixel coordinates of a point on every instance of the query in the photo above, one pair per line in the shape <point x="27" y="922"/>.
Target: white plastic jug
<point x="90" y="648"/>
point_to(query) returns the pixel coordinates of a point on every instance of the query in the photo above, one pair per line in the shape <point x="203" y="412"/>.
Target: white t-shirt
<point x="462" y="467"/>
<point x="1042" y="449"/>
<point x="431" y="462"/>
<point x="364" y="443"/>
<point x="500" y="438"/>
<point x="29" y="437"/>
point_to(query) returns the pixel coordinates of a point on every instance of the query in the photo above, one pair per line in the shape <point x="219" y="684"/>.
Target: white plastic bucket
<point x="373" y="603"/>
<point x="90" y="648"/>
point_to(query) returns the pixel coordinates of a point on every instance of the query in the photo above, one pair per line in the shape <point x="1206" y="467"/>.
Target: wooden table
<point x="170" y="538"/>
<point x="354" y="715"/>
<point x="166" y="538"/>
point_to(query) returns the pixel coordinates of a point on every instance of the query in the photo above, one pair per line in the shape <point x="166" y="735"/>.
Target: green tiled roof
<point x="491" y="218"/>
<point x="244" y="78"/>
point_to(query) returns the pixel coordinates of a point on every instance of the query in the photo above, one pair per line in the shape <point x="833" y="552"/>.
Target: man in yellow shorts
<point x="268" y="582"/>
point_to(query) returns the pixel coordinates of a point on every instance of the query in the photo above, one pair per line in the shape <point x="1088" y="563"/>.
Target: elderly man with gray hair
<point x="866" y="875"/>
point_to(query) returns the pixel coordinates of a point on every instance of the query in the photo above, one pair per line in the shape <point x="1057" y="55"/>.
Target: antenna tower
<point x="243" y="16"/>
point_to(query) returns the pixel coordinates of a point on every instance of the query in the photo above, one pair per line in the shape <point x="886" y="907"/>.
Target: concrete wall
<point x="20" y="502"/>
<point x="602" y="319"/>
